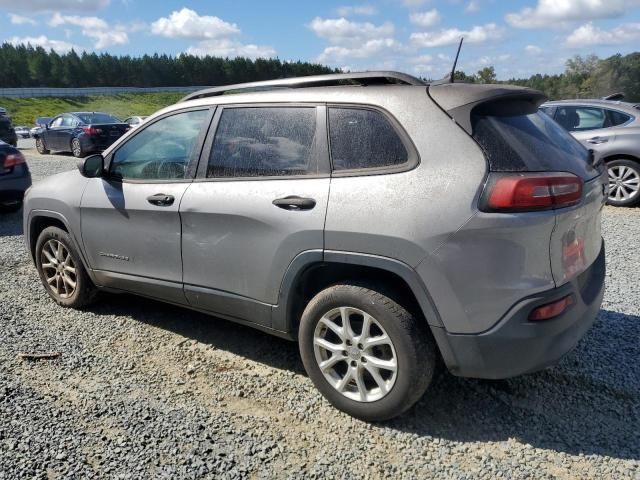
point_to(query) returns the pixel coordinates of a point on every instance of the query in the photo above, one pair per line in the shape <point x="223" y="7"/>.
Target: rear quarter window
<point x="364" y="139"/>
<point x="529" y="143"/>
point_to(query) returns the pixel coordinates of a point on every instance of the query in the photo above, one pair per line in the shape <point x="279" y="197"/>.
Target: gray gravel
<point x="143" y="389"/>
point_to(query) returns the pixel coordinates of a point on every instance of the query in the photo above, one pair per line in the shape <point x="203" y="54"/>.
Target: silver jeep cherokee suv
<point x="380" y="221"/>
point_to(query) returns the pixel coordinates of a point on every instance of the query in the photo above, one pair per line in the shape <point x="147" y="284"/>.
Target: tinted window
<point x="89" y="118"/>
<point x="67" y="121"/>
<point x="581" y="118"/>
<point x="57" y="122"/>
<point x="618" y="118"/>
<point x="162" y="150"/>
<point x="264" y="141"/>
<point x="531" y="143"/>
<point x="363" y="139"/>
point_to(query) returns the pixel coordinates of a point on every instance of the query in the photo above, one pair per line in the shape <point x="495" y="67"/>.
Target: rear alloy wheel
<point x="76" y="148"/>
<point x="40" y="147"/>
<point x="61" y="270"/>
<point x="366" y="353"/>
<point x="624" y="182"/>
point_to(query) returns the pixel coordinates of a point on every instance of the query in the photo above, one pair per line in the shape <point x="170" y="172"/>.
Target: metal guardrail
<point x="88" y="91"/>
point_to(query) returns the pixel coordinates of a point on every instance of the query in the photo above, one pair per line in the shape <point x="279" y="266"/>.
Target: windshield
<point x="90" y="118"/>
<point x="532" y="143"/>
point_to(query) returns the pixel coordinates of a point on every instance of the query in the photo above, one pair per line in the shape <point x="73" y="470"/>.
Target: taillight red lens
<point x="551" y="310"/>
<point x="532" y="191"/>
<point x="13" y="159"/>
<point x="92" y="130"/>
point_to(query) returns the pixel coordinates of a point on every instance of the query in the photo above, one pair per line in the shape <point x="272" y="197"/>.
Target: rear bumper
<point x="515" y="345"/>
<point x="12" y="187"/>
<point x="95" y="144"/>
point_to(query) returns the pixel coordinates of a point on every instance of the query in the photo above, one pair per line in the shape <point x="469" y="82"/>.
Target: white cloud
<point x="349" y="10"/>
<point x="341" y="31"/>
<point x="370" y="48"/>
<point x="589" y="35"/>
<point x="230" y="48"/>
<point x="472" y="7"/>
<point x="425" y="19"/>
<point x="451" y="36"/>
<point x="20" y="20"/>
<point x="186" y="23"/>
<point x="533" y="50"/>
<point x="549" y="13"/>
<point x="413" y="3"/>
<point x="422" y="59"/>
<point x="57" y="5"/>
<point x="93" y="27"/>
<point x="59" y="46"/>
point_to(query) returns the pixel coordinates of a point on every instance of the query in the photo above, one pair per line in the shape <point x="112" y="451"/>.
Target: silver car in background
<point x="612" y="130"/>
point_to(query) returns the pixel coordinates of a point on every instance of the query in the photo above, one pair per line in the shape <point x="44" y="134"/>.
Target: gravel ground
<point x="143" y="389"/>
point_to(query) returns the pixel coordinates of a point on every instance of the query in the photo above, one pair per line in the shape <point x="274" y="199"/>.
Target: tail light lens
<point x="12" y="160"/>
<point x="91" y="130"/>
<point x="531" y="191"/>
<point x="551" y="310"/>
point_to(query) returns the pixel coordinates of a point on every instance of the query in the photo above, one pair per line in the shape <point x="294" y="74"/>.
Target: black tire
<point x="84" y="292"/>
<point x="630" y="170"/>
<point x="76" y="148"/>
<point x="40" y="147"/>
<point x="415" y="349"/>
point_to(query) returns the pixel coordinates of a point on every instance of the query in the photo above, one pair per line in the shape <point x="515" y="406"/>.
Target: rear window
<point x="530" y="143"/>
<point x="618" y="118"/>
<point x="89" y="118"/>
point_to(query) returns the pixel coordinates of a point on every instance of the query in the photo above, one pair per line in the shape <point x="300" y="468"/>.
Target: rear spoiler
<point x="460" y="99"/>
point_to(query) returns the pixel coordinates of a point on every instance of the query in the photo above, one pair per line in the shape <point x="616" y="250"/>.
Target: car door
<point x="51" y="133"/>
<point x="590" y="125"/>
<point x="259" y="200"/>
<point x="65" y="132"/>
<point x="130" y="221"/>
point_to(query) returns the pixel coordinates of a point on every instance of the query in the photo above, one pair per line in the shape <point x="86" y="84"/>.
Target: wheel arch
<point x="621" y="156"/>
<point x="313" y="271"/>
<point x="41" y="219"/>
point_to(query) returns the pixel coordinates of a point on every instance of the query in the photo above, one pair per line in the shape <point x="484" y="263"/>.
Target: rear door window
<point x="530" y="143"/>
<point x="579" y="119"/>
<point x="265" y="142"/>
<point x="363" y="139"/>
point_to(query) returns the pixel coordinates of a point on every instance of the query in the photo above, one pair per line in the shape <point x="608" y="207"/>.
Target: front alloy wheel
<point x="624" y="182"/>
<point x="59" y="269"/>
<point x="76" y="148"/>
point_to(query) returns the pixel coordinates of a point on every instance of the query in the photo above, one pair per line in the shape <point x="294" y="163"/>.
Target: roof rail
<point x="357" y="78"/>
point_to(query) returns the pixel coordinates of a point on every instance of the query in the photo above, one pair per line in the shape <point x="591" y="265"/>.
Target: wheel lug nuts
<point x="353" y="363"/>
<point x="360" y="346"/>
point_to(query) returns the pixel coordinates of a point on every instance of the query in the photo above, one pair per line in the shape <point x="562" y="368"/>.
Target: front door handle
<point x="161" y="199"/>
<point x="598" y="140"/>
<point x="294" y="202"/>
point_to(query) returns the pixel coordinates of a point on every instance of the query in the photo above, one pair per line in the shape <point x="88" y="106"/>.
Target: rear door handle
<point x="294" y="202"/>
<point x="598" y="140"/>
<point x="161" y="199"/>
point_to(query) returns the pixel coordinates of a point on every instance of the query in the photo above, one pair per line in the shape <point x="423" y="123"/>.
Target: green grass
<point x="23" y="111"/>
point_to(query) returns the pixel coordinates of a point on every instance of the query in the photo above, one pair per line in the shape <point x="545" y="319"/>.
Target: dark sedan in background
<point x="7" y="132"/>
<point x="80" y="133"/>
<point x="15" y="178"/>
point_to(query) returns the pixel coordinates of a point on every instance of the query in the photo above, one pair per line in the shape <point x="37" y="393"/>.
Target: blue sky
<point x="518" y="37"/>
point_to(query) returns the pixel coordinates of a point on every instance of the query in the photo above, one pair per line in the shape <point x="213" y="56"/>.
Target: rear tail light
<point x="551" y="310"/>
<point x="91" y="130"/>
<point x="507" y="192"/>
<point x="12" y="160"/>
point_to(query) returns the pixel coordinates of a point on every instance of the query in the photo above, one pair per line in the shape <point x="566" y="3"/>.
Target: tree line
<point x="584" y="77"/>
<point x="28" y="66"/>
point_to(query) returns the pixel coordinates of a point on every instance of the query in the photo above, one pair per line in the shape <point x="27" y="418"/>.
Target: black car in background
<point x="14" y="177"/>
<point x="80" y="133"/>
<point x="7" y="132"/>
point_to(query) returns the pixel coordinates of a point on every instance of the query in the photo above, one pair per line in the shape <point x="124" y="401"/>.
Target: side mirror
<point x="92" y="166"/>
